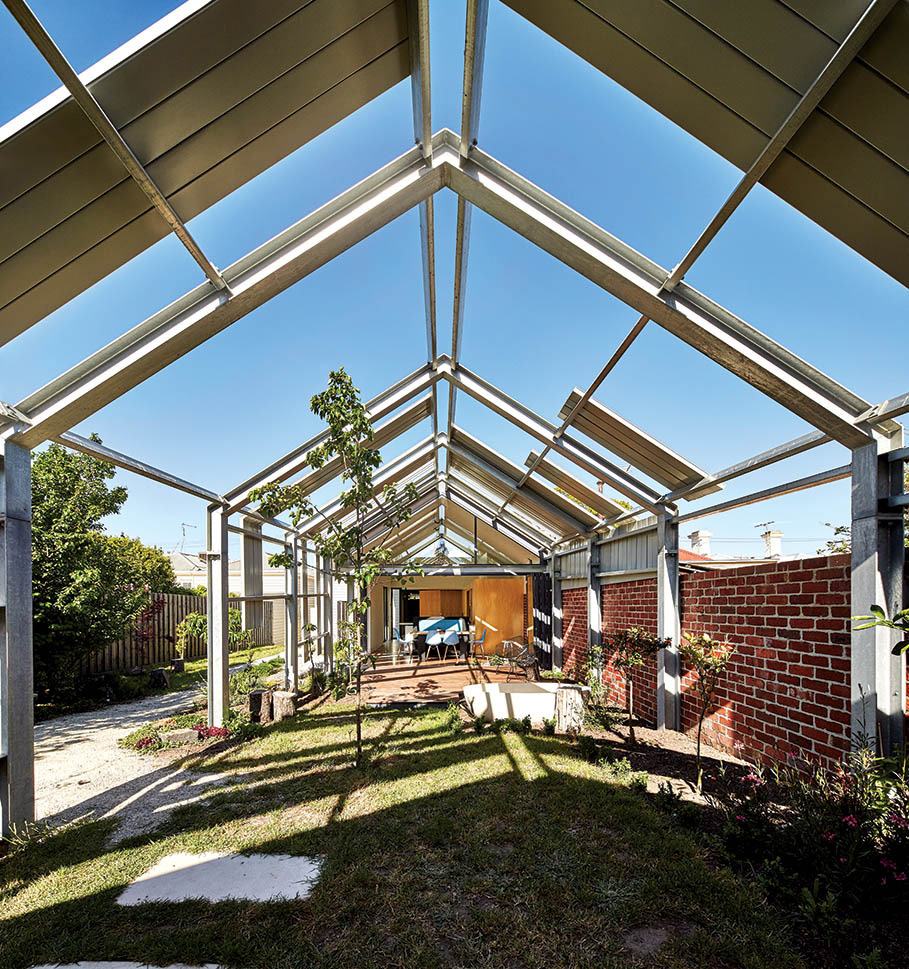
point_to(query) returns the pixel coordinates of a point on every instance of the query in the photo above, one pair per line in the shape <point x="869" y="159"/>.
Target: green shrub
<point x="510" y="725"/>
<point x="479" y="724"/>
<point x="241" y="727"/>
<point x="549" y="726"/>
<point x="452" y="719"/>
<point x="618" y="771"/>
<point x="526" y="724"/>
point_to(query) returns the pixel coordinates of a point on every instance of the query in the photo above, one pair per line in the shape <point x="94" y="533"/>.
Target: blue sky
<point x="533" y="327"/>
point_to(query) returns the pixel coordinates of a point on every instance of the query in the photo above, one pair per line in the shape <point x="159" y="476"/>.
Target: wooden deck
<point x="431" y="681"/>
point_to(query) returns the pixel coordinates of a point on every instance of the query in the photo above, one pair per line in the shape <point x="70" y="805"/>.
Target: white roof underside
<point x="729" y="74"/>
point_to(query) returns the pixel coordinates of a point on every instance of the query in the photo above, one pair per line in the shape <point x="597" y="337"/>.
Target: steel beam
<point x="790" y="487"/>
<point x="17" y="760"/>
<point x="124" y="154"/>
<point x="843" y="56"/>
<point x="200" y="314"/>
<point x="637" y="281"/>
<point x="878" y="680"/>
<point x="526" y="533"/>
<point x="476" y="19"/>
<point x="669" y="689"/>
<point x="779" y="453"/>
<point x="78" y="443"/>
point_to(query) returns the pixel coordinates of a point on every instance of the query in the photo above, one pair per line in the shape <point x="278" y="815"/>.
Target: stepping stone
<point x="218" y="876"/>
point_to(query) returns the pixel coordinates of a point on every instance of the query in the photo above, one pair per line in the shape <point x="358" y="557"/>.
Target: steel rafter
<point x="200" y="314"/>
<point x="636" y="280"/>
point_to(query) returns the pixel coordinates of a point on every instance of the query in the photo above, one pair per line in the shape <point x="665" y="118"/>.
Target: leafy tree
<point x="88" y="587"/>
<point x="343" y="541"/>
<point x="708" y="659"/>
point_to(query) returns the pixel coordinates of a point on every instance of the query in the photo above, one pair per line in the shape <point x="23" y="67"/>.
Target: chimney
<point x="700" y="542"/>
<point x="773" y="544"/>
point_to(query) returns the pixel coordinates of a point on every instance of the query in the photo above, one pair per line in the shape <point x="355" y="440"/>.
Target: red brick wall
<point x="574" y="629"/>
<point x="627" y="604"/>
<point x="787" y="688"/>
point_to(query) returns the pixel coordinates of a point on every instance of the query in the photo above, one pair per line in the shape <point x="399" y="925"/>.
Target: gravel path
<point x="81" y="772"/>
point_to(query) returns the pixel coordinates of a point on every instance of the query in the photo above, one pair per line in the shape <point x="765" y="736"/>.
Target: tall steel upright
<point x="291" y="621"/>
<point x="556" y="624"/>
<point x="17" y="772"/>
<point x="669" y="714"/>
<point x="319" y="589"/>
<point x="594" y="609"/>
<point x="218" y="565"/>
<point x="878" y="559"/>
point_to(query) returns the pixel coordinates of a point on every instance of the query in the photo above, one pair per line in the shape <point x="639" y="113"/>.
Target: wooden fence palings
<point x="127" y="653"/>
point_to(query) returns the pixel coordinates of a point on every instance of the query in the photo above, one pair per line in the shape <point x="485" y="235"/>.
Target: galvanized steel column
<point x="251" y="573"/>
<point x="291" y="622"/>
<point x="594" y="608"/>
<point x="878" y="556"/>
<point x="556" y="611"/>
<point x="218" y="616"/>
<point x="17" y="757"/>
<point x="668" y="625"/>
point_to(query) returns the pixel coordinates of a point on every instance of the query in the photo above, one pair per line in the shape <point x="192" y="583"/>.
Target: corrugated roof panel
<point x="700" y="68"/>
<point x="250" y="96"/>
<point x="628" y="441"/>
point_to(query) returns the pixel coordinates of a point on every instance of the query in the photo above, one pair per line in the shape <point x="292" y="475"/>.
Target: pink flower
<point x="851" y="820"/>
<point x="740" y="817"/>
<point x="883" y="881"/>
<point x="887" y="863"/>
<point x="842" y="861"/>
<point x="828" y="836"/>
<point x="900" y="876"/>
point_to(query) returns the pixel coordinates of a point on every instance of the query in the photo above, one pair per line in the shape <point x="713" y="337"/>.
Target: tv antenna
<point x="184" y="526"/>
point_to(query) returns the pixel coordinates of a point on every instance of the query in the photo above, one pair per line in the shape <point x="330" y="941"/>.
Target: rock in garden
<point x="158" y="679"/>
<point x="179" y="738"/>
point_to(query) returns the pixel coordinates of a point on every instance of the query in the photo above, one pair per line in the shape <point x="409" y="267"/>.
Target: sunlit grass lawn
<point x="471" y="850"/>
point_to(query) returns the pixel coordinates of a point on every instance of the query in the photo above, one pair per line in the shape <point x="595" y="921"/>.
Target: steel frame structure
<point x="515" y="504"/>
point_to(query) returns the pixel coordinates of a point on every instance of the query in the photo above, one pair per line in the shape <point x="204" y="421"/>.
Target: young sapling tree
<point x="708" y="659"/>
<point x="344" y="540"/>
<point x="631" y="649"/>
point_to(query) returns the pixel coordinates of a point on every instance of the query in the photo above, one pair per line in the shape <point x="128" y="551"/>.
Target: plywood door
<point x="499" y="609"/>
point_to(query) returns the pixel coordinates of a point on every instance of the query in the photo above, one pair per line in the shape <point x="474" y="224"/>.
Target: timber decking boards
<point x="426" y="682"/>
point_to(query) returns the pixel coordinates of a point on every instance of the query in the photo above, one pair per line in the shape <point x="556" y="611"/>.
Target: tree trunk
<point x="631" y="737"/>
<point x="284" y="704"/>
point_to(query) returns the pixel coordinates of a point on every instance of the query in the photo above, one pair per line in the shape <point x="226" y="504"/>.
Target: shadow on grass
<point x="472" y="850"/>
